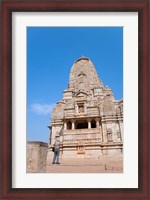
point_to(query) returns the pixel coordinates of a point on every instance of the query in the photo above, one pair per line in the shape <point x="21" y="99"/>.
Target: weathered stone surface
<point x="101" y="164"/>
<point x="36" y="156"/>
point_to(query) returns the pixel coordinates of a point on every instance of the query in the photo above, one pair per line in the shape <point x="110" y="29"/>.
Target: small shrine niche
<point x="81" y="148"/>
<point x="80" y="108"/>
<point x="109" y="135"/>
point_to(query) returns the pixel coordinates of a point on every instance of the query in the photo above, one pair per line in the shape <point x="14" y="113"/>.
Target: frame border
<point x="10" y="6"/>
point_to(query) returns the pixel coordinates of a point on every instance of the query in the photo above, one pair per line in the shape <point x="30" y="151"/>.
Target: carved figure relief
<point x="118" y="110"/>
<point x="80" y="108"/>
<point x="69" y="105"/>
<point x="118" y="134"/>
<point x="109" y="135"/>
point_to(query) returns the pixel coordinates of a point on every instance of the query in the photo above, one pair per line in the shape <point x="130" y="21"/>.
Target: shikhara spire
<point x="83" y="76"/>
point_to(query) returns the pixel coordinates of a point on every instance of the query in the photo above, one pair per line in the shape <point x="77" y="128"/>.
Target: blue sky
<point x="51" y="52"/>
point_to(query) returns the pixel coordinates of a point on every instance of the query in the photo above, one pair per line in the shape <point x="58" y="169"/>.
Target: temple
<point x="88" y="118"/>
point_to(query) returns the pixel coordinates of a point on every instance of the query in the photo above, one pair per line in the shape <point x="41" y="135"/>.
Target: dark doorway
<point x="81" y="124"/>
<point x="93" y="123"/>
<point x="69" y="125"/>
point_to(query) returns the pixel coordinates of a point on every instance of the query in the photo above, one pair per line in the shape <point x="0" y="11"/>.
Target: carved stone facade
<point x="88" y="118"/>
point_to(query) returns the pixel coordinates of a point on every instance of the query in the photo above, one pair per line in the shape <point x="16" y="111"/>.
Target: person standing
<point x="56" y="146"/>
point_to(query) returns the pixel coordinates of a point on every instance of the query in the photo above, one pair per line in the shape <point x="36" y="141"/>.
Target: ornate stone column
<point x="73" y="124"/>
<point x="89" y="123"/>
<point x="97" y="122"/>
<point x="65" y="126"/>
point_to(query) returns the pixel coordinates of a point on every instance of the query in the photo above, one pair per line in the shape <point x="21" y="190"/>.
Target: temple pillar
<point x="65" y="126"/>
<point x="89" y="123"/>
<point x="73" y="124"/>
<point x="97" y="122"/>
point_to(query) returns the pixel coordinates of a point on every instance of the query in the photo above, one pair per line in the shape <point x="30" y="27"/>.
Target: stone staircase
<point x="101" y="165"/>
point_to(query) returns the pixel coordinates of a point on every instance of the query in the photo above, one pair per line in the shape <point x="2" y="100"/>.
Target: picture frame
<point x="7" y="8"/>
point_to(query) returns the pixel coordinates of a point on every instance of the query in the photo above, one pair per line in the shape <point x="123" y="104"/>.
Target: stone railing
<point x="82" y="136"/>
<point x="81" y="131"/>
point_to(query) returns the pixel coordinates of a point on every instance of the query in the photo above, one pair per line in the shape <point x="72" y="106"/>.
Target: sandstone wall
<point x="36" y="157"/>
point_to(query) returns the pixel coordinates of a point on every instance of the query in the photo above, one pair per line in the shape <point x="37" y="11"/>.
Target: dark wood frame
<point x="9" y="6"/>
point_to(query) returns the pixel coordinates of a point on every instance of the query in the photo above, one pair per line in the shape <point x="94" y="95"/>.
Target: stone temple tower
<point x="88" y="118"/>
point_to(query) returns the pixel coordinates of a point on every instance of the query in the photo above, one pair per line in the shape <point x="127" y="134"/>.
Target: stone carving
<point x="109" y="135"/>
<point x="81" y="108"/>
<point x="69" y="105"/>
<point x="118" y="134"/>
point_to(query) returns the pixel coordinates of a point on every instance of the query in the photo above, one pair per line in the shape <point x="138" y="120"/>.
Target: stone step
<point x="105" y="165"/>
